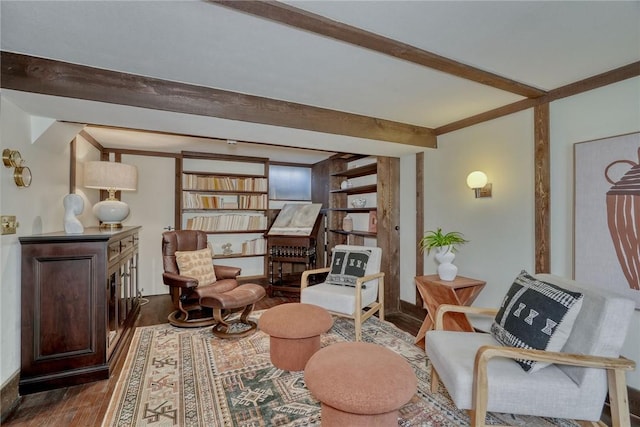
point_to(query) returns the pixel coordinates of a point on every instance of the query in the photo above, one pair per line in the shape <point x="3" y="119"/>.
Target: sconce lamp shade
<point x="477" y="179"/>
<point x="113" y="177"/>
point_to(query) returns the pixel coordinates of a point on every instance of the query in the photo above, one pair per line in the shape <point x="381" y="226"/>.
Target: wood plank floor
<point x="85" y="405"/>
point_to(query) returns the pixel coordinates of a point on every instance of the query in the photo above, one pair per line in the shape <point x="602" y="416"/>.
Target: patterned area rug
<point x="188" y="377"/>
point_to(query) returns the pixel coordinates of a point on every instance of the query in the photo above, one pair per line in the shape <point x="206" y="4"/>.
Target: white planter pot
<point x="445" y="256"/>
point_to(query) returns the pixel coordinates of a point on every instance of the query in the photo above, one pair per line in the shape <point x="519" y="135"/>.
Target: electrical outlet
<point x="8" y="224"/>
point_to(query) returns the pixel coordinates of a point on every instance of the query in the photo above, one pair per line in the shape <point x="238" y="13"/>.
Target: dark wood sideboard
<point x="80" y="299"/>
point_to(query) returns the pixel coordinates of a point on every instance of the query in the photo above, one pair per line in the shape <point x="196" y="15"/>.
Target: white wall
<point x="152" y="207"/>
<point x="38" y="208"/>
<point x="608" y="111"/>
<point x="501" y="228"/>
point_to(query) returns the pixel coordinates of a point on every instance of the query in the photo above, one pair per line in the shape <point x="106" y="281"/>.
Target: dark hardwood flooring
<point x="85" y="405"/>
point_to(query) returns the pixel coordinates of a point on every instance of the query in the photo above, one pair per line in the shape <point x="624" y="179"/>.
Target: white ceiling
<point x="545" y="44"/>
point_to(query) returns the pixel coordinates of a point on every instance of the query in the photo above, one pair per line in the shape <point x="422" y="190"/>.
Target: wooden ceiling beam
<point x="57" y="78"/>
<point x="301" y="19"/>
<point x="594" y="82"/>
<point x="609" y="77"/>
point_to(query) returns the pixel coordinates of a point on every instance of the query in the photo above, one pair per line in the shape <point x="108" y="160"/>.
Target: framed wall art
<point x="607" y="214"/>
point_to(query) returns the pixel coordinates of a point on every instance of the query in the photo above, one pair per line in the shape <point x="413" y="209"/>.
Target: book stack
<point x="253" y="202"/>
<point x="254" y="247"/>
<point x="223" y="183"/>
<point x="227" y="223"/>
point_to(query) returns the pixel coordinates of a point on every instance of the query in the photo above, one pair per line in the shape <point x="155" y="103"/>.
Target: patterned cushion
<point x="347" y="266"/>
<point x="197" y="264"/>
<point x="536" y="315"/>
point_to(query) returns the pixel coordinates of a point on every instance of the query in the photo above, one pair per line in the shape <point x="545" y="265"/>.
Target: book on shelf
<point x="229" y="222"/>
<point x="208" y="201"/>
<point x="252" y="201"/>
<point x="256" y="246"/>
<point x="223" y="183"/>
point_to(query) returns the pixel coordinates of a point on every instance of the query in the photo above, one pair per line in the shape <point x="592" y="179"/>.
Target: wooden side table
<point x="434" y="292"/>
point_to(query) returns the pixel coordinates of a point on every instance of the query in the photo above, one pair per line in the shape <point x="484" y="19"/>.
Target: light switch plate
<point x="8" y="224"/>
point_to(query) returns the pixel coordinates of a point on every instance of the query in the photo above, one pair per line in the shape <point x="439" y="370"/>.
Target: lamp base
<point x="110" y="226"/>
<point x="111" y="213"/>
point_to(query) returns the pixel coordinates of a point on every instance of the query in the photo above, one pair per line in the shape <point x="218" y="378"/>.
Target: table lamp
<point x="110" y="176"/>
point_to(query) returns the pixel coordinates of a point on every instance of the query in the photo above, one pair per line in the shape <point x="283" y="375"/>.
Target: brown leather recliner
<point x="200" y="305"/>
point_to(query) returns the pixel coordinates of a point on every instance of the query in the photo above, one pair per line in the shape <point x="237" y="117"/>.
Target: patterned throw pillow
<point x="197" y="264"/>
<point x="347" y="266"/>
<point x="536" y="315"/>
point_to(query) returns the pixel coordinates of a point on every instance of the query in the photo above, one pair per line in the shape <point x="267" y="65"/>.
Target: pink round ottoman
<point x="360" y="384"/>
<point x="294" y="333"/>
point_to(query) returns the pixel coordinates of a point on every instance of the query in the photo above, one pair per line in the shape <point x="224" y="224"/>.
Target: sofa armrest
<point x="176" y="280"/>
<point x="226" y="272"/>
<point x="451" y="308"/>
<point x="304" y="280"/>
<point x="615" y="367"/>
<point x="488" y="352"/>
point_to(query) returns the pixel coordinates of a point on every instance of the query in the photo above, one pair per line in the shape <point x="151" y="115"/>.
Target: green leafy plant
<point x="433" y="239"/>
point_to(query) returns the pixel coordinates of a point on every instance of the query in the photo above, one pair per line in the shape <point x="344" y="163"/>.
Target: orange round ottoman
<point x="294" y="333"/>
<point x="360" y="384"/>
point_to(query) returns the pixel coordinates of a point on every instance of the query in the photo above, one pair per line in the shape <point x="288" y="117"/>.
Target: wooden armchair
<point x="365" y="292"/>
<point x="480" y="374"/>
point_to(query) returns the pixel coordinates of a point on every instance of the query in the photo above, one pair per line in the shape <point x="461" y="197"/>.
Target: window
<point x="289" y="182"/>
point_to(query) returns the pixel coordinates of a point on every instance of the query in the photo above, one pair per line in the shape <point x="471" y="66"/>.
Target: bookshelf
<point x="361" y="183"/>
<point x="377" y="179"/>
<point x="226" y="197"/>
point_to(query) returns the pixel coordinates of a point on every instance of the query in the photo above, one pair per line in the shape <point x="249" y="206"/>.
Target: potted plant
<point x="445" y="246"/>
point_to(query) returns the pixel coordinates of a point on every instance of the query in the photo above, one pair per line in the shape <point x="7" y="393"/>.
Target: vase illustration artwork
<point x="445" y="256"/>
<point x="623" y="217"/>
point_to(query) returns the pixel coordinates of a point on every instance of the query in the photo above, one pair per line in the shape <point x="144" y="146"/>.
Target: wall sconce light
<point x="21" y="174"/>
<point x="110" y="176"/>
<point x="477" y="181"/>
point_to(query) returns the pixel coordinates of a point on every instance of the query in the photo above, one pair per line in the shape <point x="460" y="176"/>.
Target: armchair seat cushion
<point x="509" y="385"/>
<point x="219" y="286"/>
<point x="337" y="298"/>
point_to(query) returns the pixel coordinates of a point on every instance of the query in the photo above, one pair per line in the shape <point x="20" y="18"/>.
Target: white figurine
<point x="73" y="205"/>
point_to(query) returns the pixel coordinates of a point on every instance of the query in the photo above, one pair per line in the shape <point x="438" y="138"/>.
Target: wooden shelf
<point x="235" y="231"/>
<point x="230" y="192"/>
<point x="354" y="210"/>
<point x="222" y="210"/>
<point x="357" y="190"/>
<point x="368" y="169"/>
<point x="355" y="233"/>
<point x="230" y="175"/>
<point x="238" y="256"/>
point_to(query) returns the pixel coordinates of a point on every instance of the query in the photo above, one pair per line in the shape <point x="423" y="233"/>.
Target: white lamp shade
<point x="110" y="176"/>
<point x="477" y="179"/>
